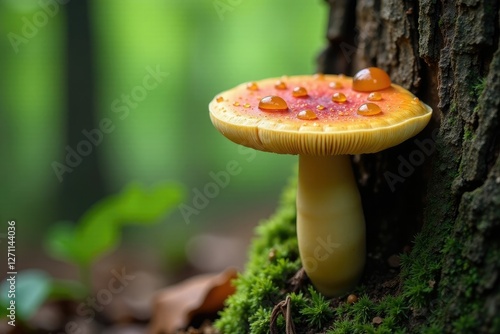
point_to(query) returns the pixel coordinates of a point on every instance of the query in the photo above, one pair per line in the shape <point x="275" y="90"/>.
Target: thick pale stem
<point x="330" y="223"/>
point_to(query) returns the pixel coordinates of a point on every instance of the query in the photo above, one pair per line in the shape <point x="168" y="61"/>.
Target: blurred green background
<point x="52" y="86"/>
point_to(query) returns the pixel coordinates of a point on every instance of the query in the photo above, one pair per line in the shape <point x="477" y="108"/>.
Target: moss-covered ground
<point x="384" y="304"/>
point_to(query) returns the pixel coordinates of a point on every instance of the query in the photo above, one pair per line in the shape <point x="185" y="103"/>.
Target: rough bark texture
<point x="443" y="186"/>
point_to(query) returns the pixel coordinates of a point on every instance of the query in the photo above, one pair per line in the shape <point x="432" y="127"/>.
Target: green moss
<point x="273" y="260"/>
<point x="436" y="262"/>
<point x="420" y="271"/>
<point x="318" y="312"/>
<point x="465" y="324"/>
<point x="440" y="23"/>
<point x="460" y="278"/>
<point x="433" y="329"/>
<point x="478" y="88"/>
<point x="468" y="135"/>
<point x="453" y="108"/>
<point x="259" y="322"/>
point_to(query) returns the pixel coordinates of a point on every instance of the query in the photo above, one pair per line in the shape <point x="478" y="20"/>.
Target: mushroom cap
<point x="337" y="128"/>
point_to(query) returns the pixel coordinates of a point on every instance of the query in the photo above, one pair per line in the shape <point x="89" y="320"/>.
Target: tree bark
<point x="443" y="185"/>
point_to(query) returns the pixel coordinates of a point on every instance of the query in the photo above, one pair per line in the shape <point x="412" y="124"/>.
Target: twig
<point x="298" y="280"/>
<point x="284" y="308"/>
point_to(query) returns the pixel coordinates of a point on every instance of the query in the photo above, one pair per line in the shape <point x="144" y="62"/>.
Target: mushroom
<point x="323" y="119"/>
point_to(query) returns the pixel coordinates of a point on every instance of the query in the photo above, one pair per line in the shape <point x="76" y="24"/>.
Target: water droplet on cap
<point x="299" y="92"/>
<point x="335" y="85"/>
<point x="272" y="102"/>
<point x="374" y="96"/>
<point x="252" y="86"/>
<point x="307" y="115"/>
<point x="369" y="109"/>
<point x="371" y="79"/>
<point x="280" y="85"/>
<point x="339" y="98"/>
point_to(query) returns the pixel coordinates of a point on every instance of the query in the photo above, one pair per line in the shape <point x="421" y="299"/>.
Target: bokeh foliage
<point x="168" y="136"/>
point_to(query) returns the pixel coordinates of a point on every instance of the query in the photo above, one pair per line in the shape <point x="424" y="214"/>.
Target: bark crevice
<point x="447" y="53"/>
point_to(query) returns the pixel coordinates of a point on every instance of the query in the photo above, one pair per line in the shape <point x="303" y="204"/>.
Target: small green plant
<point x="98" y="230"/>
<point x="82" y="243"/>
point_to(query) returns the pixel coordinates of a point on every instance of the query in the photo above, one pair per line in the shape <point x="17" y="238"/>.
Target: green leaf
<point x="98" y="231"/>
<point x="95" y="237"/>
<point x="138" y="205"/>
<point x="59" y="241"/>
<point x="32" y="287"/>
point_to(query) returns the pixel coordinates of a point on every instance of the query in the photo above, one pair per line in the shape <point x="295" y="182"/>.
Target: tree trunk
<point x="443" y="185"/>
<point x="84" y="185"/>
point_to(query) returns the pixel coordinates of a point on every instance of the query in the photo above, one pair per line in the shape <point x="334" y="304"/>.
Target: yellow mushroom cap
<point x="338" y="127"/>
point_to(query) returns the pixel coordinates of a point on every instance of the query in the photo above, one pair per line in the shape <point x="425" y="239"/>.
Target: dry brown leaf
<point x="175" y="306"/>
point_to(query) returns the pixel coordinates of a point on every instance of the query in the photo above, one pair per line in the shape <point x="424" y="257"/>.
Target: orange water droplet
<point x="339" y="98"/>
<point x="280" y="85"/>
<point x="369" y="109"/>
<point x="371" y="79"/>
<point x="307" y="114"/>
<point x="252" y="86"/>
<point x="299" y="92"/>
<point x="246" y="105"/>
<point x="374" y="96"/>
<point x="335" y="85"/>
<point x="236" y="104"/>
<point x="319" y="76"/>
<point x="320" y="107"/>
<point x="219" y="99"/>
<point x="273" y="102"/>
<point x="416" y="99"/>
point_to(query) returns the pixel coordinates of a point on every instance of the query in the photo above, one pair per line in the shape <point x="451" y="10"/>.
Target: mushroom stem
<point x="330" y="223"/>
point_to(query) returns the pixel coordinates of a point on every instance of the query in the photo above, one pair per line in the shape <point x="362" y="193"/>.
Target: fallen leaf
<point x="175" y="306"/>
